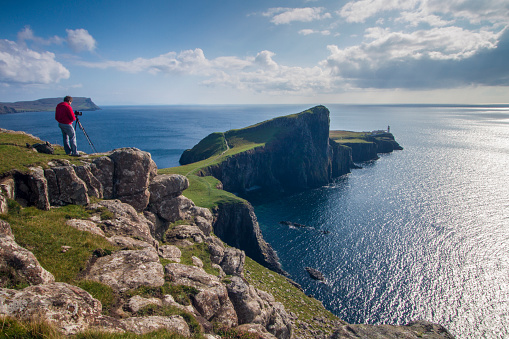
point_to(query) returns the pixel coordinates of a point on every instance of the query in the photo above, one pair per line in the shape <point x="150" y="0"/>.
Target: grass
<point x="343" y="137"/>
<point x="102" y="292"/>
<point x="201" y="251"/>
<point x="45" y="232"/>
<point x="16" y="156"/>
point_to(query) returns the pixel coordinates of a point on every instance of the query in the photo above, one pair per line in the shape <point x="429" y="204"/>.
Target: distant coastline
<point x="46" y="105"/>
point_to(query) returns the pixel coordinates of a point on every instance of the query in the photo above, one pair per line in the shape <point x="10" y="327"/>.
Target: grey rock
<point x="136" y="303"/>
<point x="216" y="249"/>
<point x="256" y="329"/>
<point x="233" y="261"/>
<point x="197" y="261"/>
<point x="133" y="171"/>
<point x="85" y="225"/>
<point x="173" y="209"/>
<point x="126" y="221"/>
<point x="94" y="186"/>
<point x="212" y="301"/>
<point x="129" y="269"/>
<point x="258" y="307"/>
<point x="182" y="235"/>
<point x="102" y="168"/>
<point x="70" y="308"/>
<point x="19" y="260"/>
<point x="31" y="188"/>
<point x="65" y="187"/>
<point x="128" y="242"/>
<point x="167" y="186"/>
<point x="170" y="252"/>
<point x="143" y="325"/>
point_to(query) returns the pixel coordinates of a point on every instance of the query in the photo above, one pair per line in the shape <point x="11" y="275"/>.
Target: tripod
<point x="78" y="123"/>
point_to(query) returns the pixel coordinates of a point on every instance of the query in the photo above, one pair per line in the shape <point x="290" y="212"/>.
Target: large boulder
<point x="65" y="187"/>
<point x="143" y="325"/>
<point x="125" y="221"/>
<point x="133" y="171"/>
<point x="31" y="188"/>
<point x="94" y="186"/>
<point x="167" y="186"/>
<point x="233" y="261"/>
<point x="258" y="307"/>
<point x="102" y="168"/>
<point x="212" y="300"/>
<point x="68" y="307"/>
<point x="129" y="269"/>
<point x="173" y="209"/>
<point x="18" y="263"/>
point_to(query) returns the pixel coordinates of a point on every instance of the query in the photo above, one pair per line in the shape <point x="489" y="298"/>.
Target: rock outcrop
<point x="236" y="224"/>
<point x="297" y="158"/>
<point x="17" y="263"/>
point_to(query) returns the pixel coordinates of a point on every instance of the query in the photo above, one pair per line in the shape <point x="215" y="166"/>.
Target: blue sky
<point x="251" y="52"/>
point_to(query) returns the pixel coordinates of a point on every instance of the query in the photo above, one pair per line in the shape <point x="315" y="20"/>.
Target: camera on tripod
<point x="78" y="113"/>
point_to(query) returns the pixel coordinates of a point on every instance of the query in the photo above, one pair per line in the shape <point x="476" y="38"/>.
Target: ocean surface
<point x="421" y="233"/>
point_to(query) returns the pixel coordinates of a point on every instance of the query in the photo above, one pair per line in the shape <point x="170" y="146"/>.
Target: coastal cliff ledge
<point x="285" y="154"/>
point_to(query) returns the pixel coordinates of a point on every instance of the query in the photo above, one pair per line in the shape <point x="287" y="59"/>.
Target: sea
<point x="419" y="234"/>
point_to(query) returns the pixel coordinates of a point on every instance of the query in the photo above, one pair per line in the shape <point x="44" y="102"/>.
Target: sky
<point x="175" y="52"/>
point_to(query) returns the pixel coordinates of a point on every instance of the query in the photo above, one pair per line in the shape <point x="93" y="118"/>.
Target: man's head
<point x="68" y="99"/>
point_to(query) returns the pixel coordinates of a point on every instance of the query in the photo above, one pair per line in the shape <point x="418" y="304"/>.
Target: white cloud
<point x="359" y="11"/>
<point x="432" y="12"/>
<point x="259" y="73"/>
<point x="28" y="34"/>
<point x="188" y="62"/>
<point x="21" y="65"/>
<point x="283" y="15"/>
<point x="313" y="31"/>
<point x="446" y="56"/>
<point x="80" y="40"/>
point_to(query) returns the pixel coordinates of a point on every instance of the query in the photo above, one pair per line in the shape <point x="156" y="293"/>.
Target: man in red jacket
<point x="65" y="117"/>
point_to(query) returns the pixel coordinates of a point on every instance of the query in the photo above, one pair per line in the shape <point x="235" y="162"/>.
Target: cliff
<point x="286" y="154"/>
<point x="283" y="154"/>
<point x="47" y="104"/>
<point x="106" y="244"/>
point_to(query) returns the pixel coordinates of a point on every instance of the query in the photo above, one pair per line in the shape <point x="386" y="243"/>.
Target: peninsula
<point x="45" y="105"/>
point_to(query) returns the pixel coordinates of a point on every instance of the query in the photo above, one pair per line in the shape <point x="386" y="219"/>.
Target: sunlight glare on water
<point x="421" y="233"/>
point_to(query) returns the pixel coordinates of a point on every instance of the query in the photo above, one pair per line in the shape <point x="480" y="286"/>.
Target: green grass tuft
<point x="45" y="232"/>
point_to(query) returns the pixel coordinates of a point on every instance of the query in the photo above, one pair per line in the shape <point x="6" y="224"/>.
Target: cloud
<point x="186" y="62"/>
<point x="359" y="11"/>
<point x="260" y="73"/>
<point x="436" y="58"/>
<point x="20" y="65"/>
<point x="313" y="31"/>
<point x="283" y="15"/>
<point x="28" y="34"/>
<point x="80" y="40"/>
<point x="432" y="12"/>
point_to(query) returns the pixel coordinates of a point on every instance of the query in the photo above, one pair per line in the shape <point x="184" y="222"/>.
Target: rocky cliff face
<point x="236" y="224"/>
<point x="297" y="158"/>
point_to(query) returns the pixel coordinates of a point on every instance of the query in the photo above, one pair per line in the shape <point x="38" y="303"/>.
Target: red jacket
<point x="64" y="113"/>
